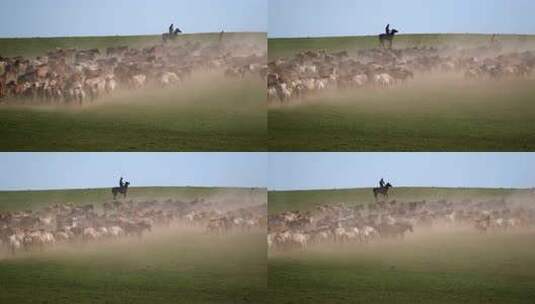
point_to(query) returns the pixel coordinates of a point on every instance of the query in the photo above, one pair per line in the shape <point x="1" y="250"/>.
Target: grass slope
<point x="288" y="47"/>
<point x="23" y="200"/>
<point x="308" y="199"/>
<point x="434" y="266"/>
<point x="226" y="115"/>
<point x="37" y="46"/>
<point x="177" y="265"/>
<point x="444" y="268"/>
<point x="426" y="115"/>
<point x="168" y="268"/>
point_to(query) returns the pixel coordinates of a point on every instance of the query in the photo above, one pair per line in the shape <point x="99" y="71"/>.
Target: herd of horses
<point x="360" y="223"/>
<point x="69" y="223"/>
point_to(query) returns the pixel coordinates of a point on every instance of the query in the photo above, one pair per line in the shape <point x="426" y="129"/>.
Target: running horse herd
<point x="361" y="224"/>
<point x="67" y="223"/>
<point x="71" y="75"/>
<point x="309" y="72"/>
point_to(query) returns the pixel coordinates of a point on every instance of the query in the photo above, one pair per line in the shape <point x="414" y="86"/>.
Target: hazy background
<point x="46" y="18"/>
<point x="307" y="18"/>
<point x="22" y="171"/>
<point x="289" y="171"/>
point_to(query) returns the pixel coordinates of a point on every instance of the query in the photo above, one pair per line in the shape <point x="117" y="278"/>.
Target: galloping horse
<point x="382" y="190"/>
<point x="171" y="36"/>
<point x="122" y="190"/>
<point x="388" y="37"/>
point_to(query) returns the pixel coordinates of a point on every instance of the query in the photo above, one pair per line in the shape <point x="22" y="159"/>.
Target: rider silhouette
<point x="171" y="29"/>
<point x="387" y="29"/>
<point x="382" y="183"/>
<point x="121" y="183"/>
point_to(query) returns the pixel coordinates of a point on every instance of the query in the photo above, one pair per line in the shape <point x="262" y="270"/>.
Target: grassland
<point x="442" y="268"/>
<point x="208" y="113"/>
<point x="176" y="265"/>
<point x="428" y="266"/>
<point x="288" y="47"/>
<point x="163" y="267"/>
<point x="309" y="199"/>
<point x="24" y="200"/>
<point x="38" y="46"/>
<point x="441" y="113"/>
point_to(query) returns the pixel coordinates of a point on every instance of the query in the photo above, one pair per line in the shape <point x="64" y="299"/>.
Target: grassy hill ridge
<point x="229" y="115"/>
<point x="307" y="199"/>
<point x="35" y="46"/>
<point x="285" y="47"/>
<point x="20" y="200"/>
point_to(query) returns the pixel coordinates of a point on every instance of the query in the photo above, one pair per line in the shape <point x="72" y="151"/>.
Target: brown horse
<point x="382" y="190"/>
<point x="171" y="36"/>
<point x="122" y="190"/>
<point x="387" y="37"/>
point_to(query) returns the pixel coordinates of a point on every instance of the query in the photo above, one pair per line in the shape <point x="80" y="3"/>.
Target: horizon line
<point x="127" y="35"/>
<point x="131" y="187"/>
<point x="403" y="187"/>
<point x="402" y="34"/>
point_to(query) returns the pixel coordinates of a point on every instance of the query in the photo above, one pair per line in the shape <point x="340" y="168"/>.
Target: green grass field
<point x="176" y="265"/>
<point x="437" y="266"/>
<point x="163" y="267"/>
<point x="429" y="114"/>
<point x="280" y="201"/>
<point x="31" y="47"/>
<point x="208" y="113"/>
<point x="288" y="47"/>
<point x="24" y="200"/>
<point x="442" y="268"/>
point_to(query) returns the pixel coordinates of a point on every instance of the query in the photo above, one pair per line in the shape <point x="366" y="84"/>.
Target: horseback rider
<point x="382" y="183"/>
<point x="171" y="29"/>
<point x="387" y="29"/>
<point x="121" y="183"/>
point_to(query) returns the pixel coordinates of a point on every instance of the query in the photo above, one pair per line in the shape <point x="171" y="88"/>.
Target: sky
<point x="38" y="171"/>
<point x="275" y="171"/>
<point x="309" y="18"/>
<point x="301" y="171"/>
<point x="53" y="18"/>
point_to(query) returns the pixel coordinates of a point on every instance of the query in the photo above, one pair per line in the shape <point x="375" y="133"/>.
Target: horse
<point x="382" y="190"/>
<point x="122" y="190"/>
<point x="171" y="36"/>
<point x="387" y="37"/>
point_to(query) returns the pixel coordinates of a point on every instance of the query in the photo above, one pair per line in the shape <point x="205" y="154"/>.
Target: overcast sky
<point x="307" y="18"/>
<point x="290" y="171"/>
<point x="45" y="18"/>
<point x="22" y="171"/>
